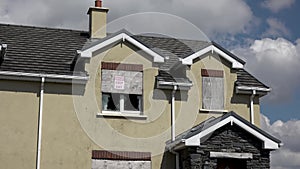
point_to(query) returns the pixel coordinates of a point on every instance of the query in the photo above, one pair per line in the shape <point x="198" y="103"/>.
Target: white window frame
<point x="122" y="106"/>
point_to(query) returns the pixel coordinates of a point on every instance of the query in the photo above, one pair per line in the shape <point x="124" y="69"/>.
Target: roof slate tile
<point x="40" y="50"/>
<point x="51" y="51"/>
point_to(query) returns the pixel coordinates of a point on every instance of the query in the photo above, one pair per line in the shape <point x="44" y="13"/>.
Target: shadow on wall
<point x="161" y="94"/>
<point x="168" y="161"/>
<point x="34" y="87"/>
<point x="242" y="99"/>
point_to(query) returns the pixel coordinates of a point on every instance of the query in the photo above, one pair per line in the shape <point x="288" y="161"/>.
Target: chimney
<point x="97" y="19"/>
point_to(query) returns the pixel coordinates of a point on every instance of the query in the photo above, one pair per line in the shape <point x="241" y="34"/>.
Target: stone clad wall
<point x="230" y="139"/>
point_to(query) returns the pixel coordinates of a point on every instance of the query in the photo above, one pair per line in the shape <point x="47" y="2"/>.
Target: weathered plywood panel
<point x="118" y="81"/>
<point x="117" y="164"/>
<point x="213" y="93"/>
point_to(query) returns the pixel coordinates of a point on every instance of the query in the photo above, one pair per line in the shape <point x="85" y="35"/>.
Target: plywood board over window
<point x="212" y="89"/>
<point x="102" y="159"/>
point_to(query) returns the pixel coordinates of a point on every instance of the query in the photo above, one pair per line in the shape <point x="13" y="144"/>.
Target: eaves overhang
<point x="115" y="38"/>
<point x="170" y="85"/>
<point x="53" y="78"/>
<point x="249" y="90"/>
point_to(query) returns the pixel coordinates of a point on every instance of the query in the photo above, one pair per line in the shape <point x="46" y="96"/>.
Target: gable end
<point x="115" y="38"/>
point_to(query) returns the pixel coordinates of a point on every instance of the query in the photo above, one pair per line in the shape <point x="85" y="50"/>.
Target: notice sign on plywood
<point x="119" y="83"/>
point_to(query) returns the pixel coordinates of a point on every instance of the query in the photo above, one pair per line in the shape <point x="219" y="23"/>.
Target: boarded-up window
<point x="102" y="159"/>
<point x="122" y="87"/>
<point x="212" y="89"/>
<point x="120" y="81"/>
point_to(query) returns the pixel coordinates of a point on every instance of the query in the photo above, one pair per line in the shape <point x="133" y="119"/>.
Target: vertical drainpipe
<point x="173" y="113"/>
<point x="40" y="122"/>
<point x="251" y="106"/>
<point x="173" y="125"/>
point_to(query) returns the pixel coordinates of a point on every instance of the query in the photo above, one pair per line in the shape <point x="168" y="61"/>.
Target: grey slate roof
<point x="40" y="50"/>
<point x="210" y="122"/>
<point x="52" y="51"/>
<point x="244" y="78"/>
<point x="170" y="48"/>
<point x="175" y="49"/>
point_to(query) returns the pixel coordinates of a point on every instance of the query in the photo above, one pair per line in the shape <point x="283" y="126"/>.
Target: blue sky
<point x="265" y="33"/>
<point x="287" y="109"/>
<point x="288" y="16"/>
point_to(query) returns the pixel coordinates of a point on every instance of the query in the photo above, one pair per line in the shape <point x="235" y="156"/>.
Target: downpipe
<point x="40" y="122"/>
<point x="252" y="107"/>
<point x="173" y="125"/>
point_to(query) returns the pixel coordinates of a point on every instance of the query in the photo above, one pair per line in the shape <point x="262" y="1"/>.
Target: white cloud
<point x="277" y="5"/>
<point x="52" y="13"/>
<point x="287" y="157"/>
<point x="276" y="28"/>
<point x="277" y="63"/>
<point x="212" y="16"/>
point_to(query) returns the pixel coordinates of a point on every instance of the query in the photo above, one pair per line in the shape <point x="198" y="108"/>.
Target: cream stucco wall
<point x="18" y="121"/>
<point x="232" y="101"/>
<point x="141" y="134"/>
<point x="126" y="134"/>
<point x="72" y="127"/>
<point x="64" y="143"/>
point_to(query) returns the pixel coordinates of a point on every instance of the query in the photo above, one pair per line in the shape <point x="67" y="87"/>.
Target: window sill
<point x="134" y="115"/>
<point x="212" y="110"/>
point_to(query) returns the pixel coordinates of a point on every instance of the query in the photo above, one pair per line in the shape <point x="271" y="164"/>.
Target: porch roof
<point x="192" y="136"/>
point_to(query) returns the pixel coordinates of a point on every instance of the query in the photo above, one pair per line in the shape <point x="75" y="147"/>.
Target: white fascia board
<point x="253" y="88"/>
<point x="195" y="140"/>
<point x="189" y="60"/>
<point x="156" y="57"/>
<point x="49" y="77"/>
<point x="123" y="36"/>
<point x="235" y="63"/>
<point x="268" y="143"/>
<point x="88" y="52"/>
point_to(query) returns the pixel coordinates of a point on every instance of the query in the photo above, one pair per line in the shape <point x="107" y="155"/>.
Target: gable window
<point x="122" y="88"/>
<point x="212" y="89"/>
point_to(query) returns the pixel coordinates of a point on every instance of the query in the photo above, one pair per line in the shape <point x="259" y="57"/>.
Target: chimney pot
<point x="98" y="3"/>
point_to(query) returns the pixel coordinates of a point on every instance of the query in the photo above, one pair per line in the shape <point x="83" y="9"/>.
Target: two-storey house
<point x="89" y="99"/>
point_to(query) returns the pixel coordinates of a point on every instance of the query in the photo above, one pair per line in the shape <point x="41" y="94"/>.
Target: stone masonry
<point x="231" y="139"/>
